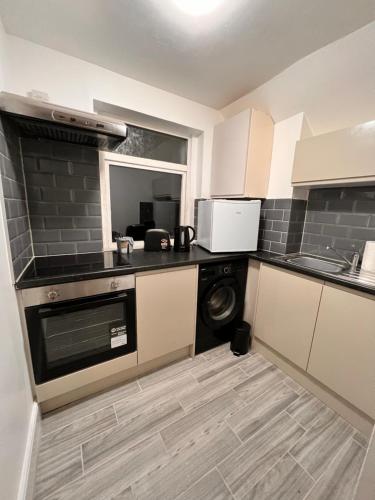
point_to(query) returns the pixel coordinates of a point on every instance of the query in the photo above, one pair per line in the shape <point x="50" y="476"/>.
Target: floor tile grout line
<point x="270" y="469"/>
<point x="290" y="385"/>
<point x="155" y="433"/>
<point x="112" y="428"/>
<point x="284" y="455"/>
<point x="226" y="484"/>
<point x="238" y="362"/>
<point x="360" y="444"/>
<point x="291" y="388"/>
<point x="83" y="465"/>
<point x="75" y="480"/>
<point x="296" y="421"/>
<point x="194" y="483"/>
<point x="164" y="444"/>
<point x="85" y="416"/>
<point x="114" y="409"/>
<point x="81" y="443"/>
<point x="302" y="467"/>
<point x="174" y="364"/>
<point x="234" y="431"/>
<point x="341" y="446"/>
<point x="262" y="427"/>
<point x="106" y="460"/>
<point x="199" y="406"/>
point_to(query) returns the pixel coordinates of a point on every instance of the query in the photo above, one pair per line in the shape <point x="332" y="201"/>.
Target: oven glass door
<point x="72" y="335"/>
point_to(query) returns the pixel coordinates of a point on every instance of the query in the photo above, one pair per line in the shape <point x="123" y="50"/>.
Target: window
<point x="145" y="143"/>
<point x="143" y="199"/>
<point x="139" y="194"/>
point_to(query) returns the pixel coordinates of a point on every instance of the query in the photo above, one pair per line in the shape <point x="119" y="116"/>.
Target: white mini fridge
<point x="228" y="225"/>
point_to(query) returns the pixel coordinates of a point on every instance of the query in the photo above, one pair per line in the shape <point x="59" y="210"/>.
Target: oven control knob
<point x="115" y="285"/>
<point x="52" y="294"/>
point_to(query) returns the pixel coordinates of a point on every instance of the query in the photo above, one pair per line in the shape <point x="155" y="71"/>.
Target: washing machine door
<point x="221" y="303"/>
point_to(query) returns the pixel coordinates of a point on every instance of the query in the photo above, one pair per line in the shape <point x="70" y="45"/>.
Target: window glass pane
<point x="146" y="143"/>
<point x="143" y="199"/>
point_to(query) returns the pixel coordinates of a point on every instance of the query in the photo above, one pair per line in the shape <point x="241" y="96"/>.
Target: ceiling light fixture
<point x="197" y="7"/>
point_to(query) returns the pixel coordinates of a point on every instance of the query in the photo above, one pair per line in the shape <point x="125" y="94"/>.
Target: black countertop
<point x="53" y="270"/>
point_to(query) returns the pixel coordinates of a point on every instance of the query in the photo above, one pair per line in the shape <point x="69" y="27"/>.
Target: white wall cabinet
<point x="343" y="350"/>
<point x="241" y="155"/>
<point x="166" y="311"/>
<point x="340" y="157"/>
<point x="287" y="306"/>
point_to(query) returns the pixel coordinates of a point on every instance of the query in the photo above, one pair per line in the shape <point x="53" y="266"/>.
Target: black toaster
<point x="157" y="240"/>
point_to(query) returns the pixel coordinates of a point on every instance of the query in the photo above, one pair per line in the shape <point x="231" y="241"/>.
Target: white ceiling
<point x="212" y="59"/>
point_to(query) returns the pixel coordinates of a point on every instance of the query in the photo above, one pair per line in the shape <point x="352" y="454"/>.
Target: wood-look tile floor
<point x="216" y="427"/>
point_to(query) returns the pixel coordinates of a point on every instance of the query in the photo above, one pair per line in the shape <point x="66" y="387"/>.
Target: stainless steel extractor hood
<point x="42" y="119"/>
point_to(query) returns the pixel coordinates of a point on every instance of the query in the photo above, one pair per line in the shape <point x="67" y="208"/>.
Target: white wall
<point x="286" y="133"/>
<point x="334" y="87"/>
<point x="15" y="392"/>
<point x="75" y="83"/>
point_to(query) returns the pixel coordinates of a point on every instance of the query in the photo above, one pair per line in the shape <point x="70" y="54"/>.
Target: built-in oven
<point x="77" y="325"/>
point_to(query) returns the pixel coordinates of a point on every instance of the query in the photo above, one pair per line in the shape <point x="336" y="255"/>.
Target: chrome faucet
<point x="352" y="263"/>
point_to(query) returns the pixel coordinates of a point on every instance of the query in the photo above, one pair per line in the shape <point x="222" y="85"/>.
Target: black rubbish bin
<point x="241" y="341"/>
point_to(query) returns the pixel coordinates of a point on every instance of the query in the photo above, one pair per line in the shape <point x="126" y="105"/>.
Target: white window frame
<point x="106" y="159"/>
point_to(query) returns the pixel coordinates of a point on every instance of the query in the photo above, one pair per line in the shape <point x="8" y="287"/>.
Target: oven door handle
<point x="45" y="312"/>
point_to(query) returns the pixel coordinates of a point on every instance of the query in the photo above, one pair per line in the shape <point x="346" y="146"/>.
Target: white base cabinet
<point x="343" y="350"/>
<point x="166" y="311"/>
<point x="287" y="306"/>
<point x="325" y="329"/>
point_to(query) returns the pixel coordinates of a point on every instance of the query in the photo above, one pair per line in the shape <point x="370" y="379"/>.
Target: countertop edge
<point x="272" y="260"/>
<point x="39" y="282"/>
<point x="266" y="257"/>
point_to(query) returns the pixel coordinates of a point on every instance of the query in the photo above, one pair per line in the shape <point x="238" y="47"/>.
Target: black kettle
<point x="182" y="238"/>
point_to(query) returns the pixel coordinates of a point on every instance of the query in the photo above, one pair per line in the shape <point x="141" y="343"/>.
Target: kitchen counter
<point x="355" y="282"/>
<point x="43" y="271"/>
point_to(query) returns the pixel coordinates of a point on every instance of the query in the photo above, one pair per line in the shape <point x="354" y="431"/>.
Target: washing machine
<point x="221" y="297"/>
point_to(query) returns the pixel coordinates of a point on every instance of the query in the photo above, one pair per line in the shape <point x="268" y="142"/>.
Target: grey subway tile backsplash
<point x="281" y="225"/>
<point x="14" y="194"/>
<point x="339" y="217"/>
<point x="62" y="183"/>
<point x="284" y="203"/>
<point x="278" y="247"/>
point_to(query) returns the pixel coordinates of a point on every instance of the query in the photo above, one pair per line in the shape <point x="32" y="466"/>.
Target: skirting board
<point x="25" y="490"/>
<point x="354" y="416"/>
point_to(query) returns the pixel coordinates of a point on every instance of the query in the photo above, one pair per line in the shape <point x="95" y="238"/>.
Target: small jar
<point x="125" y="244"/>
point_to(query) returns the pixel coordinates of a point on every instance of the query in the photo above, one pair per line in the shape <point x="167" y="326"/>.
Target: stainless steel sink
<point x="316" y="263"/>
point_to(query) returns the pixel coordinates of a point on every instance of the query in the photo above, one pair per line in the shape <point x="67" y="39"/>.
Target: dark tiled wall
<point x="281" y="225"/>
<point x="63" y="197"/>
<point x="342" y="217"/>
<point x="13" y="190"/>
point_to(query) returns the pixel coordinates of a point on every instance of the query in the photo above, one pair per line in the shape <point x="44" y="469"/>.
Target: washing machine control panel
<point x="227" y="269"/>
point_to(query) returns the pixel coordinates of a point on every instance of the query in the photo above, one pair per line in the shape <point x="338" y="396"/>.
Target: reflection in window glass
<point x="143" y="199"/>
<point x="146" y="143"/>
